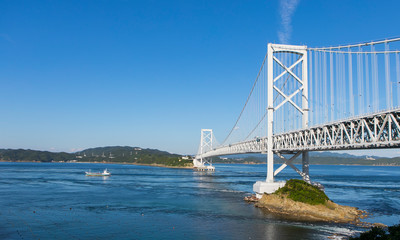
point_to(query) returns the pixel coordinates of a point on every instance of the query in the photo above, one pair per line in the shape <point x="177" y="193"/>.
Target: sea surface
<point x="57" y="201"/>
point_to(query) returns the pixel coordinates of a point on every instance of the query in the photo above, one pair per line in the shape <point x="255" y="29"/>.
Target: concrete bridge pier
<point x="200" y="165"/>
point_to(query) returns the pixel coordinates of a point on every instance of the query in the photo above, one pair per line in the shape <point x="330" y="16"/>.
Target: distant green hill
<point x="13" y="155"/>
<point x="131" y="155"/>
<point x="115" y="154"/>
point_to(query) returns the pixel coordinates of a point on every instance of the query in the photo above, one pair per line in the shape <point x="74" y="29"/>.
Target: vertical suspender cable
<point x="344" y="99"/>
<point x="341" y="109"/>
<point x="321" y="92"/>
<point x="259" y="130"/>
<point x="398" y="79"/>
<point x="343" y="91"/>
<point x="282" y="120"/>
<point x="331" y="83"/>
<point x="362" y="88"/>
<point x="259" y="103"/>
<point x="325" y="107"/>
<point x="280" y="126"/>
<point x="387" y="77"/>
<point x="345" y="86"/>
<point x="320" y="88"/>
<point x="265" y="100"/>
<point x="317" y="88"/>
<point x="359" y="81"/>
<point x="338" y="90"/>
<point x="375" y="91"/>
<point x="351" y="94"/>
<point x="310" y="88"/>
<point x="317" y="100"/>
<point x="367" y="84"/>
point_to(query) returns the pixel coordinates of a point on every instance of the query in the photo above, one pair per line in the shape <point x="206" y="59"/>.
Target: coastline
<point x="126" y="163"/>
<point x="142" y="164"/>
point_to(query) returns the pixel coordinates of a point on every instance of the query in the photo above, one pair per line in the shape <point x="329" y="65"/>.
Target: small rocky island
<point x="299" y="200"/>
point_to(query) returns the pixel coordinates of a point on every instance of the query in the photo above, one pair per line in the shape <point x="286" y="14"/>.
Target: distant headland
<point x="114" y="154"/>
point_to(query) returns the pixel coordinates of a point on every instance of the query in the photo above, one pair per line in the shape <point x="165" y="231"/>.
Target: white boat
<point x="100" y="174"/>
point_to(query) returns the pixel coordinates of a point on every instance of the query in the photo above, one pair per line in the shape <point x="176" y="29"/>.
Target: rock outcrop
<point x="302" y="201"/>
<point x="328" y="212"/>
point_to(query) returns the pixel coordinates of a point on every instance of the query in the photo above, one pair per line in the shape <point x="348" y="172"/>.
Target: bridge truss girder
<point x="381" y="130"/>
<point x="374" y="131"/>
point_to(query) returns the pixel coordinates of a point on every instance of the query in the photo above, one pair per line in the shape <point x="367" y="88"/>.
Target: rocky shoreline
<point x="301" y="201"/>
<point x="298" y="211"/>
<point x="330" y="212"/>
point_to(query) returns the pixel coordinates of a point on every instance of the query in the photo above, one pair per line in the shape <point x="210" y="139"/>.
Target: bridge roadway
<point x="376" y="130"/>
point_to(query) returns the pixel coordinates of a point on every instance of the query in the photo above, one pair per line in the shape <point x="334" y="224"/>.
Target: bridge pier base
<point x="200" y="165"/>
<point x="261" y="187"/>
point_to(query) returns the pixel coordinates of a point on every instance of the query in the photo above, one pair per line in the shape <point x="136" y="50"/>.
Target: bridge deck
<point x="377" y="130"/>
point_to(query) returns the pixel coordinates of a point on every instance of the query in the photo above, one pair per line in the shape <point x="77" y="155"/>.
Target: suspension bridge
<point x="315" y="99"/>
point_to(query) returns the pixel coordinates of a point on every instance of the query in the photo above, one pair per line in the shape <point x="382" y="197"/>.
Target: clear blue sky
<point x="80" y="74"/>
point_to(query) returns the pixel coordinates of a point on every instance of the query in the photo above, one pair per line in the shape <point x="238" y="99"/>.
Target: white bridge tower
<point x="273" y="90"/>
<point x="206" y="144"/>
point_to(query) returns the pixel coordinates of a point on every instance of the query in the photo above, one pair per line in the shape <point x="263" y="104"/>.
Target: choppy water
<point x="57" y="201"/>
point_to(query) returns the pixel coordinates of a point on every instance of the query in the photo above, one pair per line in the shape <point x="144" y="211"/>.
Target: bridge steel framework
<point x="371" y="131"/>
<point x="302" y="89"/>
<point x="374" y="131"/>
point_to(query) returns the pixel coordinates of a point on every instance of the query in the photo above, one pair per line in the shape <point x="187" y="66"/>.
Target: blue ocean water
<point x="57" y="201"/>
